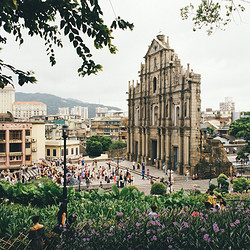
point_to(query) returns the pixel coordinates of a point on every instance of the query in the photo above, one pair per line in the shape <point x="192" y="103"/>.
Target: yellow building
<point x="54" y="149"/>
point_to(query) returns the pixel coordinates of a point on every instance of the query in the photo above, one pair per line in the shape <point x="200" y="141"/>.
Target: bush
<point x="131" y="188"/>
<point x="212" y="187"/>
<point x="221" y="178"/>
<point x="158" y="188"/>
<point x="241" y="184"/>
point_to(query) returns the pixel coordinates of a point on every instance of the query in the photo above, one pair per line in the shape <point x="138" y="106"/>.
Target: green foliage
<point x="158" y="188"/>
<point x="94" y="148"/>
<point x="210" y="130"/>
<point x="212" y="187"/>
<point x="97" y="145"/>
<point x="221" y="178"/>
<point x="50" y="20"/>
<point x="240" y="184"/>
<point x="241" y="128"/>
<point x="131" y="188"/>
<point x="106" y="142"/>
<point x="47" y="193"/>
<point x="117" y="145"/>
<point x="212" y="14"/>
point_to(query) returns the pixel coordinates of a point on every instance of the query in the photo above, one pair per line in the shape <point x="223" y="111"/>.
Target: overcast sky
<point x="222" y="59"/>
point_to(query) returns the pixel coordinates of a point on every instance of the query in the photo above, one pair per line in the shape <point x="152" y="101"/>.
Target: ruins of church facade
<point x="164" y="111"/>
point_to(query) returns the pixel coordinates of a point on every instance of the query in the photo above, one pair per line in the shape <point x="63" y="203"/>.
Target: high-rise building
<point x="228" y="105"/>
<point x="164" y="111"/>
<point x="7" y="98"/>
<point x="82" y="111"/>
<point x="63" y="111"/>
<point x="25" y="110"/>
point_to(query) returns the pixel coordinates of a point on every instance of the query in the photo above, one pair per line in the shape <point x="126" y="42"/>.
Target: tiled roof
<point x="28" y="102"/>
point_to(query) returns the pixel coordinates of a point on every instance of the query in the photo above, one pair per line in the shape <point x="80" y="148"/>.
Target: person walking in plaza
<point x="143" y="170"/>
<point x="37" y="234"/>
<point x="148" y="174"/>
<point x="186" y="176"/>
<point x="133" y="165"/>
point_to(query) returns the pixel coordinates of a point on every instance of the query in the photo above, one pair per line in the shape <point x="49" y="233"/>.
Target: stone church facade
<point x="164" y="111"/>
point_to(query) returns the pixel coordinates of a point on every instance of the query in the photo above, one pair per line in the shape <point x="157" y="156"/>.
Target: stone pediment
<point x="155" y="47"/>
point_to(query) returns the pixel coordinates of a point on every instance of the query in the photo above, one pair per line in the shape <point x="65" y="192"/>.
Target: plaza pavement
<point x="145" y="186"/>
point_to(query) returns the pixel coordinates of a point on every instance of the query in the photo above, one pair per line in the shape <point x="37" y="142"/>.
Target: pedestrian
<point x="153" y="213"/>
<point x="133" y="165"/>
<point x="37" y="234"/>
<point x="148" y="174"/>
<point x="138" y="165"/>
<point x="186" y="176"/>
<point x="143" y="174"/>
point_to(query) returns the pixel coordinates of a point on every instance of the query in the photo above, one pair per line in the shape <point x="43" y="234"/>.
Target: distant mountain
<point x="54" y="102"/>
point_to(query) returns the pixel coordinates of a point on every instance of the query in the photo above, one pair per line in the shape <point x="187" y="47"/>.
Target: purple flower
<point x="232" y="225"/>
<point x="248" y="228"/>
<point x="73" y="215"/>
<point x="222" y="230"/>
<point x="110" y="234"/>
<point x="105" y="225"/>
<point x="88" y="239"/>
<point x="215" y="227"/>
<point x="185" y="224"/>
<point x="237" y="222"/>
<point x="163" y="226"/>
<point x="137" y="224"/>
<point x="203" y="229"/>
<point x="153" y="222"/>
<point x="105" y="218"/>
<point x="240" y="199"/>
<point x="175" y="223"/>
<point x="206" y="237"/>
<point x="201" y="214"/>
<point x="170" y="238"/>
<point x="154" y="237"/>
<point x="158" y="229"/>
<point x="170" y="246"/>
<point x="136" y="209"/>
<point x="129" y="236"/>
<point x="83" y="232"/>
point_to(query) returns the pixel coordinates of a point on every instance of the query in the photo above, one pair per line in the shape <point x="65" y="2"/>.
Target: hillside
<point x="53" y="102"/>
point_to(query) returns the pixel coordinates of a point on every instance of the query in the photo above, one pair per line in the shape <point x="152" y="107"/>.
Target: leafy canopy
<point x="52" y="19"/>
<point x="213" y="14"/>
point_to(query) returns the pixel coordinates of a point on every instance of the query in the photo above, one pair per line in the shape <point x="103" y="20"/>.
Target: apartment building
<point x="7" y="98"/>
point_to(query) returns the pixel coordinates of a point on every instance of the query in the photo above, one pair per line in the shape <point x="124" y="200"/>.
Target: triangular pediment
<point x="155" y="46"/>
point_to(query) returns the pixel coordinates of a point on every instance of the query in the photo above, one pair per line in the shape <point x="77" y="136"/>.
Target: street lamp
<point x="210" y="173"/>
<point x="65" y="129"/>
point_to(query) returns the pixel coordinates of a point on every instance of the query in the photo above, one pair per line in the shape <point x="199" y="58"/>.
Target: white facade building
<point x="63" y="111"/>
<point x="82" y="111"/>
<point x="228" y="105"/>
<point x="7" y="98"/>
<point x="25" y="110"/>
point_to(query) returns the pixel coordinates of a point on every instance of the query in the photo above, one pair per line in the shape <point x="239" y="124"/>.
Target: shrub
<point x="240" y="184"/>
<point x="212" y="187"/>
<point x="158" y="188"/>
<point x="131" y="188"/>
<point x="221" y="178"/>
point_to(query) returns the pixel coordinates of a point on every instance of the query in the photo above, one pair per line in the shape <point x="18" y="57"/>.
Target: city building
<point x="21" y="143"/>
<point x="55" y="149"/>
<point x="164" y="111"/>
<point x="7" y="98"/>
<point x="228" y="105"/>
<point x="110" y="113"/>
<point x="63" y="111"/>
<point x="101" y="109"/>
<point x="26" y="110"/>
<point x="113" y="127"/>
<point x="81" y="111"/>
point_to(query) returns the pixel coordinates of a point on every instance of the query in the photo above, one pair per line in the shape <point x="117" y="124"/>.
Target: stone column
<point x="23" y="147"/>
<point x="162" y="146"/>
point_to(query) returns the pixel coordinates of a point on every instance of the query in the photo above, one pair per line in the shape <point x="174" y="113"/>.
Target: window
<point x="27" y="158"/>
<point x="155" y="115"/>
<point x="27" y="145"/>
<point x="154" y="84"/>
<point x="185" y="109"/>
<point x="2" y="135"/>
<point x="72" y="151"/>
<point x="67" y="151"/>
<point x="15" y="135"/>
<point x="166" y="110"/>
<point x="15" y="147"/>
<point x="177" y="115"/>
<point x="54" y="152"/>
<point x="62" y="151"/>
<point x="27" y="132"/>
<point x="48" y="152"/>
<point x="76" y="151"/>
<point x="2" y="148"/>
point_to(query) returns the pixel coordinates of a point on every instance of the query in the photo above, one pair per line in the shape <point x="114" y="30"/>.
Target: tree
<point x="50" y="19"/>
<point x="106" y="142"/>
<point x="213" y="14"/>
<point x="240" y="184"/>
<point x="94" y="148"/>
<point x="241" y="129"/>
<point x="118" y="144"/>
<point x="210" y="130"/>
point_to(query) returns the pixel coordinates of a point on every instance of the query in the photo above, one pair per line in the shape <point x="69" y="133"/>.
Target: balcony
<point x="3" y="154"/>
<point x="15" y="153"/>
